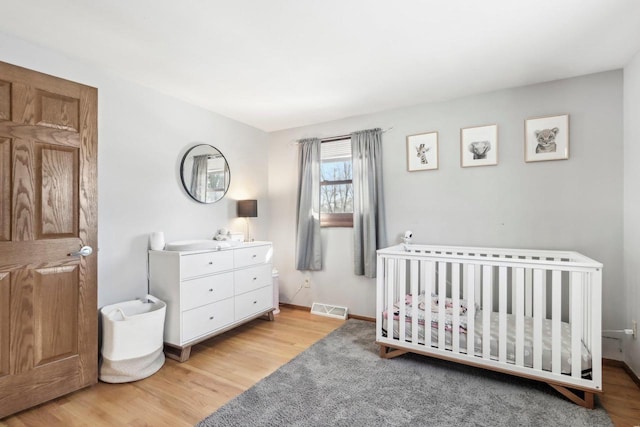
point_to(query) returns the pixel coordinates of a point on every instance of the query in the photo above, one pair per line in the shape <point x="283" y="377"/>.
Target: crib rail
<point x="532" y="311"/>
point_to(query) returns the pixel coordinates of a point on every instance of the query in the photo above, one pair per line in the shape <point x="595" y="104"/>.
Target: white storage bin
<point x="132" y="340"/>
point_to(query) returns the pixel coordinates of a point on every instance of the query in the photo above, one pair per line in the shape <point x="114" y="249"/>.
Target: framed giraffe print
<point x="422" y="152"/>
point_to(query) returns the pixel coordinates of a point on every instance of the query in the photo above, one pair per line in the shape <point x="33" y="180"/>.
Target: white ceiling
<point x="277" y="64"/>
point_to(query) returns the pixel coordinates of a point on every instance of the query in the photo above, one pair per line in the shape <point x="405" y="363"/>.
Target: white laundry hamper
<point x="132" y="340"/>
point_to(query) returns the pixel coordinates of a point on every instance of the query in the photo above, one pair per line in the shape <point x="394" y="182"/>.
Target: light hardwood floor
<point x="181" y="394"/>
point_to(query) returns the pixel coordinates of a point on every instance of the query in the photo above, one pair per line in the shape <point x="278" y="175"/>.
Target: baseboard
<point x="295" y="307"/>
<point x="368" y="319"/>
<point x="302" y="307"/>
<point x="624" y="366"/>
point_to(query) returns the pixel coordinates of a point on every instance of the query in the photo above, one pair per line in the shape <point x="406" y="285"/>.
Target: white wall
<point x="632" y="206"/>
<point x="573" y="204"/>
<point x="142" y="136"/>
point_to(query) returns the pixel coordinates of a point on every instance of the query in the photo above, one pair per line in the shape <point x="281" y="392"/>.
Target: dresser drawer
<point x="205" y="290"/>
<point x="252" y="278"/>
<point x="251" y="256"/>
<point x="194" y="265"/>
<point x="204" y="320"/>
<point x="253" y="302"/>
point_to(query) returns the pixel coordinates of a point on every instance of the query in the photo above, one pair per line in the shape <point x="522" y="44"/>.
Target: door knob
<point x="84" y="251"/>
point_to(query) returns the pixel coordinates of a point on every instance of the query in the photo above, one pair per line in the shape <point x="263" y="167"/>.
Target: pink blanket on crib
<point x="435" y="309"/>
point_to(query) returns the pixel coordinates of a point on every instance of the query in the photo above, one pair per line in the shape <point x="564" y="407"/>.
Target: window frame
<point x="342" y="219"/>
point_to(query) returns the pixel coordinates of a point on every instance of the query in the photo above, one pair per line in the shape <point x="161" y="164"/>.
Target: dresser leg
<point x="268" y="316"/>
<point x="181" y="354"/>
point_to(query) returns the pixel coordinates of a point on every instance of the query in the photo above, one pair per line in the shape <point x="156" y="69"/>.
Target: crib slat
<point x="586" y="320"/>
<point x="528" y="301"/>
<point x="471" y="312"/>
<point x="478" y="289"/>
<point x="463" y="292"/>
<point x="434" y="279"/>
<point x="519" y="311"/>
<point x="413" y="271"/>
<point x="570" y="299"/>
<point x="596" y="327"/>
<point x="576" y="323"/>
<point x="429" y="273"/>
<point x="391" y="284"/>
<point x="502" y="308"/>
<point x="544" y="294"/>
<point x="455" y="297"/>
<point x="513" y="290"/>
<point x="402" y="292"/>
<point x="442" y="310"/>
<point x="425" y="310"/>
<point x="381" y="281"/>
<point x="556" y="318"/>
<point x="487" y="285"/>
<point x="537" y="318"/>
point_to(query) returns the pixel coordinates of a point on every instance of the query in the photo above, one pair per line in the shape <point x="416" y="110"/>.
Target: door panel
<point x="58" y="185"/>
<point x="4" y="322"/>
<point x="5" y="189"/>
<point x="48" y="210"/>
<point x="21" y="309"/>
<point x="23" y="106"/>
<point x="5" y="100"/>
<point x="56" y="111"/>
<point x="24" y="191"/>
<point x="55" y="313"/>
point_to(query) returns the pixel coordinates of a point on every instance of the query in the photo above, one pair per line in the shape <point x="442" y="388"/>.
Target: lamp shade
<point x="248" y="208"/>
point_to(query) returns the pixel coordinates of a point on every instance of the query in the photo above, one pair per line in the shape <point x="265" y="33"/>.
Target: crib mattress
<point x="511" y="340"/>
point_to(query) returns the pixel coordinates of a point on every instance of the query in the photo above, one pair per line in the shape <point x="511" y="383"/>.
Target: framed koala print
<point x="546" y="138"/>
<point x="422" y="152"/>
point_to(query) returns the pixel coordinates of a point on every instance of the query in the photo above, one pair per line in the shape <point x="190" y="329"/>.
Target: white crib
<point x="531" y="313"/>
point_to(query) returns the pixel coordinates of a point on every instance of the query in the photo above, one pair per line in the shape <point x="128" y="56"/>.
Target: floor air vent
<point x="329" y="310"/>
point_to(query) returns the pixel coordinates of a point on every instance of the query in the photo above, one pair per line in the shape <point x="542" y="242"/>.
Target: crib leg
<point x="587" y="401"/>
<point x="387" y="353"/>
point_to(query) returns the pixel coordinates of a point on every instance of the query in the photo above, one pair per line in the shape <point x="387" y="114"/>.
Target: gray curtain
<point x="198" y="185"/>
<point x="369" y="228"/>
<point x="308" y="240"/>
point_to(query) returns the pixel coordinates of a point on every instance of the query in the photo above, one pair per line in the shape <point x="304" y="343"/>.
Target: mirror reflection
<point x="205" y="173"/>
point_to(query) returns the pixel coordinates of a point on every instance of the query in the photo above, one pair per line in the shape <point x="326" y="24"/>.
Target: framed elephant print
<point x="546" y="138"/>
<point x="479" y="146"/>
<point x="422" y="152"/>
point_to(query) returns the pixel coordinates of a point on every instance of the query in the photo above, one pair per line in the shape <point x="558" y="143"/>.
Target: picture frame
<point x="479" y="146"/>
<point x="546" y="138"/>
<point x="422" y="151"/>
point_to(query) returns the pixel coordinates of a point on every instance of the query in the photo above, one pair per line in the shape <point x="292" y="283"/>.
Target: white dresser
<point x="210" y="291"/>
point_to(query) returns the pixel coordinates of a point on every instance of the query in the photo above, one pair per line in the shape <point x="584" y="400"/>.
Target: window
<point x="216" y="177"/>
<point x="336" y="187"/>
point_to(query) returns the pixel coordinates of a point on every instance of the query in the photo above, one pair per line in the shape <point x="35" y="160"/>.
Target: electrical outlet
<point x="634" y="326"/>
<point x="307" y="283"/>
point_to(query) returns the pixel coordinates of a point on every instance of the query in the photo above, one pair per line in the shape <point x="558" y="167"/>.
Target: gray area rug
<point x="341" y="381"/>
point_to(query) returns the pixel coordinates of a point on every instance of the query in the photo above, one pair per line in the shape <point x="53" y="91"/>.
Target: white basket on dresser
<point x="210" y="291"/>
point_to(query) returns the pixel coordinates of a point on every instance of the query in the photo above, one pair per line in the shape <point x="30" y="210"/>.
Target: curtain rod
<point x="339" y="137"/>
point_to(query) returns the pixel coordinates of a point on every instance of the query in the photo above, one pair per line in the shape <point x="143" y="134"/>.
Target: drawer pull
<point x="210" y="262"/>
<point x="254" y="255"/>
<point x="255" y="278"/>
<point x="210" y="290"/>
<point x="210" y="317"/>
<point x="255" y="302"/>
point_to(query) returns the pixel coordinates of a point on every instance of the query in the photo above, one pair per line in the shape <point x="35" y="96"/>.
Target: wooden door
<point x="48" y="210"/>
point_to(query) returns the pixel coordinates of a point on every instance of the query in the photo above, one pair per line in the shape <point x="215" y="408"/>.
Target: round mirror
<point x="205" y="173"/>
